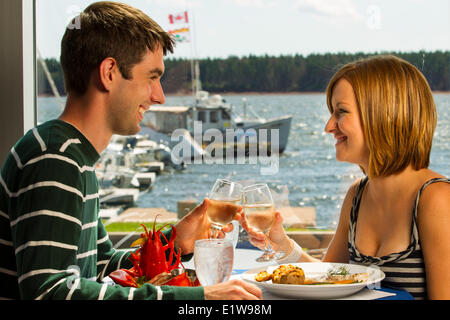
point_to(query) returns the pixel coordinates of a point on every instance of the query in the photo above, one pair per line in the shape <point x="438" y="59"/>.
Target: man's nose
<point x="157" y="95"/>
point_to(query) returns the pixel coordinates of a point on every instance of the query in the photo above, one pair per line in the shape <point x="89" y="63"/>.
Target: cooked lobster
<point x="150" y="264"/>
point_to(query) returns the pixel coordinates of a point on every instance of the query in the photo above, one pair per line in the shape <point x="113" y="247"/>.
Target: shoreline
<point x="252" y="93"/>
<point x="249" y="93"/>
<point x="255" y="93"/>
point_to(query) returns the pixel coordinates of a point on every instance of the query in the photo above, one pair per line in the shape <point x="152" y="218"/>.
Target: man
<point x="52" y="244"/>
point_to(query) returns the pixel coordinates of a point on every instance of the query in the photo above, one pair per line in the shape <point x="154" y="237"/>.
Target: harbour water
<point x="308" y="174"/>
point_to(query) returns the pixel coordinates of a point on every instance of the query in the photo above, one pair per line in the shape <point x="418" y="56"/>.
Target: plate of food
<point x="321" y="280"/>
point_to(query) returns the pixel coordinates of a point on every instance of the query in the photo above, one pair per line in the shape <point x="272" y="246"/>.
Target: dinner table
<point x="245" y="259"/>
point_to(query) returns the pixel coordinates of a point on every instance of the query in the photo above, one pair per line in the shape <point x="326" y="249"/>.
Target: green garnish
<point x="338" y="271"/>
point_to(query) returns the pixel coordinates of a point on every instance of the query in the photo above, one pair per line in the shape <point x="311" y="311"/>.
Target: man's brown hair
<point x="397" y="111"/>
<point x="108" y="29"/>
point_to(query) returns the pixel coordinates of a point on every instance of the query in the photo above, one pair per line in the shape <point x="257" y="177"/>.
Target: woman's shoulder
<point x="433" y="218"/>
<point x="434" y="185"/>
<point x="351" y="193"/>
<point x="435" y="191"/>
<point x="355" y="186"/>
<point x="434" y="194"/>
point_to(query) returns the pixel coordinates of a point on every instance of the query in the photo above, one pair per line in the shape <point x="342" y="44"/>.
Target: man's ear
<point x="108" y="71"/>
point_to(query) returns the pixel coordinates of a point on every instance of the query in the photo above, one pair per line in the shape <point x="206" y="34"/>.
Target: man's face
<point x="131" y="98"/>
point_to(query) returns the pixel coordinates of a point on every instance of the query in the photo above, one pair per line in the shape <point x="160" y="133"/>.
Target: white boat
<point x="143" y="154"/>
<point x="145" y="179"/>
<point x="118" y="196"/>
<point x="213" y="112"/>
<point x="111" y="172"/>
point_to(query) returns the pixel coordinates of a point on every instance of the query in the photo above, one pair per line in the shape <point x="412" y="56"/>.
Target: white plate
<point x="322" y="291"/>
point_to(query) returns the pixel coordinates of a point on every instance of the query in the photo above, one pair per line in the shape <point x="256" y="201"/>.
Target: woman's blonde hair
<point x="397" y="111"/>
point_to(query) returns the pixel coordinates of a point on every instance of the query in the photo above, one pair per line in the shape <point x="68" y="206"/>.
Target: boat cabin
<point x="213" y="112"/>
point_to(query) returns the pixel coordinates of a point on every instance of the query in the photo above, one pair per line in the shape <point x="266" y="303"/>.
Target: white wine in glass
<point x="224" y="202"/>
<point x="260" y="216"/>
<point x="259" y="213"/>
<point x="222" y="211"/>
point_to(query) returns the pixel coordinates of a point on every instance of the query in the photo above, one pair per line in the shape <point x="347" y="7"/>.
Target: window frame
<point x="18" y="89"/>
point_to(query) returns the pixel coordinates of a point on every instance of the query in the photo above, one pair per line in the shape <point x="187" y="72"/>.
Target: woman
<point x="397" y="217"/>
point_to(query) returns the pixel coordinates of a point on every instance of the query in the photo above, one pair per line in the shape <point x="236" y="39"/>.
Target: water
<point x="309" y="174"/>
<point x="213" y="261"/>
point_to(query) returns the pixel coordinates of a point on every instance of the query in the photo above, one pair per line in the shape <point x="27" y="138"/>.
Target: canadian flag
<point x="179" y="18"/>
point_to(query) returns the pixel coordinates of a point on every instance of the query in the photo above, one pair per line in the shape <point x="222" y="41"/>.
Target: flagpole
<point x="192" y="70"/>
<point x="195" y="70"/>
<point x="195" y="73"/>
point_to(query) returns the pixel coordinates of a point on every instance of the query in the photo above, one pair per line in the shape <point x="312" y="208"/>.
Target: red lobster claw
<point x="124" y="278"/>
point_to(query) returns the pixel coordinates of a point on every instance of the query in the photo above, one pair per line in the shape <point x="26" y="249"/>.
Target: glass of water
<point x="213" y="259"/>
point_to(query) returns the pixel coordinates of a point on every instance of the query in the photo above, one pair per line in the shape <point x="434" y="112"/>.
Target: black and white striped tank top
<point x="404" y="270"/>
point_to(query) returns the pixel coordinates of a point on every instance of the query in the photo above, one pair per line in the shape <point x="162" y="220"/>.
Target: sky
<point x="223" y="28"/>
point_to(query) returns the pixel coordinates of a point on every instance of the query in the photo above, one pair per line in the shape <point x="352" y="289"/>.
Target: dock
<point x="146" y="215"/>
<point x="294" y="217"/>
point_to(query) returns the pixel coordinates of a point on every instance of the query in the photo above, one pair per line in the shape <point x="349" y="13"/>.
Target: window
<point x="201" y="116"/>
<point x="295" y="67"/>
<point x="213" y="116"/>
<point x="225" y="115"/>
<point x="17" y="90"/>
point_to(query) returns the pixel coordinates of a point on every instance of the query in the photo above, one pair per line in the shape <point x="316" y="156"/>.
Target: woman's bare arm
<point x="433" y="221"/>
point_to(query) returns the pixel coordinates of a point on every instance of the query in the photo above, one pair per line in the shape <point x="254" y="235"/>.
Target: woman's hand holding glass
<point x="259" y="219"/>
<point x="277" y="236"/>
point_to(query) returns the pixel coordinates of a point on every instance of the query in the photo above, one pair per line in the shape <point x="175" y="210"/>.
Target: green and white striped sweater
<point x="52" y="244"/>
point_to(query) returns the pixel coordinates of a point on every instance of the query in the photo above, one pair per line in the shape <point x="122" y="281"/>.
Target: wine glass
<point x="259" y="214"/>
<point x="213" y="259"/>
<point x="224" y="202"/>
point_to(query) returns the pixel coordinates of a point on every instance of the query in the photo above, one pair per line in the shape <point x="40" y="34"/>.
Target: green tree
<point x="266" y="73"/>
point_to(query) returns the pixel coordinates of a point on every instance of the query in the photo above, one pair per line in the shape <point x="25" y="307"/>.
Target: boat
<point x="111" y="172"/>
<point x="211" y="124"/>
<point x="214" y="114"/>
<point x="145" y="179"/>
<point x="143" y="154"/>
<point x="118" y="196"/>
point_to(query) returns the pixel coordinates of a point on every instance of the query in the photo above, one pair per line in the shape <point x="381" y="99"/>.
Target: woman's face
<point x="345" y="125"/>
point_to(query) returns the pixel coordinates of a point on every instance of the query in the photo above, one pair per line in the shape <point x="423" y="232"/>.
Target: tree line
<point x="284" y="74"/>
